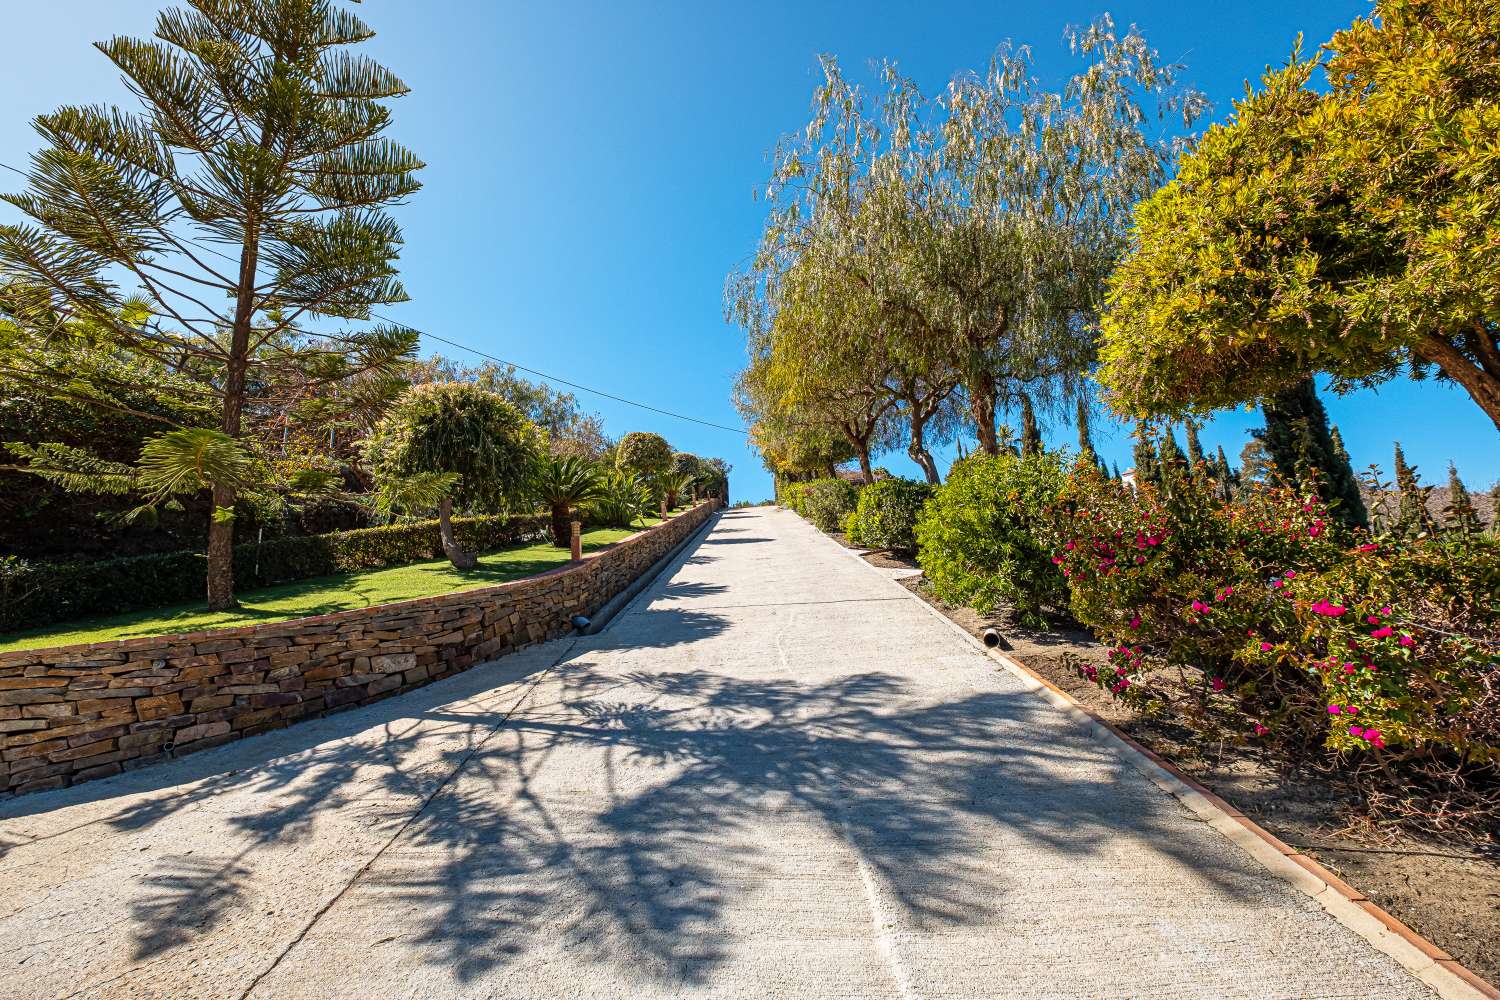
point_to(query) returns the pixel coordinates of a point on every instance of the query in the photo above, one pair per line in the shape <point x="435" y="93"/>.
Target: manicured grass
<point x="320" y="596"/>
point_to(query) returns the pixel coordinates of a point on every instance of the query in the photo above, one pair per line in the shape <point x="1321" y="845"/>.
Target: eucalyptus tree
<point x="986" y="219"/>
<point x="245" y="195"/>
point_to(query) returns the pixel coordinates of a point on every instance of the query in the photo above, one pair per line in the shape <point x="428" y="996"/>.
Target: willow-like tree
<point x="1349" y="229"/>
<point x="246" y="195"/>
<point x="984" y="220"/>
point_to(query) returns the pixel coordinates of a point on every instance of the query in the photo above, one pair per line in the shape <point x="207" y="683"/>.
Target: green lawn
<point x="319" y="596"/>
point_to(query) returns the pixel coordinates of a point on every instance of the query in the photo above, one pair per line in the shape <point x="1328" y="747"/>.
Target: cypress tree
<point x="1412" y="518"/>
<point x="1224" y="475"/>
<point x="1085" y="441"/>
<point x="1194" y="446"/>
<point x="1114" y="472"/>
<point x="1461" y="514"/>
<point x="1147" y="468"/>
<point x="1300" y="445"/>
<point x="1172" y="460"/>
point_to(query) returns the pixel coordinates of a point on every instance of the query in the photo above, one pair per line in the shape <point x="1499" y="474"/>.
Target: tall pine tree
<point x="1147" y="466"/>
<point x="260" y="132"/>
<point x="1300" y="445"/>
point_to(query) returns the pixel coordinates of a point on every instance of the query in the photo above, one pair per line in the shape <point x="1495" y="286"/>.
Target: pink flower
<point x="1218" y="683"/>
<point x="1068" y="547"/>
<point x="1368" y="548"/>
<point x="1350" y="710"/>
<point x="1291" y="573"/>
<point x="1374" y="738"/>
<point x="1265" y="647"/>
<point x="1384" y="632"/>
<point x="1372" y="619"/>
<point x="1385" y="611"/>
<point x="1315" y="530"/>
<point x="1250" y="632"/>
<point x="1355" y="731"/>
<point x="1333" y="710"/>
<point x="1057" y="560"/>
<point x="1135" y="621"/>
<point x="1199" y="607"/>
<point x="1328" y="610"/>
<point x="1260" y="730"/>
<point x="1407" y="640"/>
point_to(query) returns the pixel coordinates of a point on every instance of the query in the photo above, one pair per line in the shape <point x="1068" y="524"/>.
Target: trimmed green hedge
<point x="886" y="515"/>
<point x="36" y="594"/>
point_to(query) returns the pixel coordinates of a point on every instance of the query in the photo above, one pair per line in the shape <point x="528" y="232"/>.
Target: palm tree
<point x="624" y="498"/>
<point x="562" y="484"/>
<point x="674" y="484"/>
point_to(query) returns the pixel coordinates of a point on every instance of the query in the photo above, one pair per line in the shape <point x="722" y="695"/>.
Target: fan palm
<point x="562" y="484"/>
<point x="675" y="484"/>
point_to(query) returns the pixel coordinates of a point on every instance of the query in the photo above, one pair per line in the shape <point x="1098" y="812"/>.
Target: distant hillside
<point x="1437" y="503"/>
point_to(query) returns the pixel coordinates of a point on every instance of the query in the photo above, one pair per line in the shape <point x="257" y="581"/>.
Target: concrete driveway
<point x="774" y="776"/>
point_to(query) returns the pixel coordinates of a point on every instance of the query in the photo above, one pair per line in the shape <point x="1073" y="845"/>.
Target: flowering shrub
<point x="981" y="537"/>
<point x="886" y="515"/>
<point x="1261" y="619"/>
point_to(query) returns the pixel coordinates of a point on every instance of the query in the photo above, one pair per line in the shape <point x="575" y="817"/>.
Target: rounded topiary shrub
<point x="886" y="515"/>
<point x="981" y="537"/>
<point x="643" y="453"/>
<point x="826" y="502"/>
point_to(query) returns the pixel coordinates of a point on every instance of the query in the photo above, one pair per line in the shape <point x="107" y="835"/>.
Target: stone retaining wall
<point x="73" y="713"/>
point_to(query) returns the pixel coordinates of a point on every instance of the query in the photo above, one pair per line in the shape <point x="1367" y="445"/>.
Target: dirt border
<point x="1427" y="962"/>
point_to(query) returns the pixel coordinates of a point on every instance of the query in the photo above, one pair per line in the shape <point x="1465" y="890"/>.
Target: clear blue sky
<point x="592" y="166"/>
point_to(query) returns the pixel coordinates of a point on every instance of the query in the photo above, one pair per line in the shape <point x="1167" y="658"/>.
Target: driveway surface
<point x="774" y="776"/>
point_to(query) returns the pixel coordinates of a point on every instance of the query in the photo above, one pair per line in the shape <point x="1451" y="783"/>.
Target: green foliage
<point x="35" y="594"/>
<point x="886" y="515"/>
<point x="623" y="499"/>
<point x="1413" y="517"/>
<point x="645" y="454"/>
<point x="1301" y="445"/>
<point x="1348" y="230"/>
<point x="980" y="535"/>
<point x="1461" y="515"/>
<point x="826" y="502"/>
<point x="458" y="429"/>
<point x="562" y="484"/>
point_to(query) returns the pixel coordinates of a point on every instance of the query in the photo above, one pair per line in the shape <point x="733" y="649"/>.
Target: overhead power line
<point x="489" y="357"/>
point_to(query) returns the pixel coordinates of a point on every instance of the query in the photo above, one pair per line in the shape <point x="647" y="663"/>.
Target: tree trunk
<point x="917" y="448"/>
<point x="864" y="463"/>
<point x="982" y="408"/>
<point x="562" y="526"/>
<point x="221" y="552"/>
<point x="1031" y="434"/>
<point x="457" y="556"/>
<point x="221" y="525"/>
<point x="1481" y="386"/>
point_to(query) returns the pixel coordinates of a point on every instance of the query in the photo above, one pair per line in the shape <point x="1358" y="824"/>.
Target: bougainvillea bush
<point x="981" y="539"/>
<point x="1261" y="620"/>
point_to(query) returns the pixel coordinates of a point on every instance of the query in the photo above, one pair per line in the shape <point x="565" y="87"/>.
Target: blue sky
<point x="592" y="168"/>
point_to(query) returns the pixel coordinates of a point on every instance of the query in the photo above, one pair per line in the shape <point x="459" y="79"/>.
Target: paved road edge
<point x="1424" y="960"/>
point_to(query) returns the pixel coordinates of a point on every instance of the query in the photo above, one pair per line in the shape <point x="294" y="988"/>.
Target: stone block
<point x="393" y="663"/>
<point x="202" y="731"/>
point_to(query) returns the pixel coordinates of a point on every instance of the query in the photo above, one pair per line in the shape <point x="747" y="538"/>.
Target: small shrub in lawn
<point x="981" y="535"/>
<point x="886" y="515"/>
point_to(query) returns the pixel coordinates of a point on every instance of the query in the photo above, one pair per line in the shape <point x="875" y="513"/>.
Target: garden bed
<point x="1448" y="892"/>
<point x="320" y="595"/>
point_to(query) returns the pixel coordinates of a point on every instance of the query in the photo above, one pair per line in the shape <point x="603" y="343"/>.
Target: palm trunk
<point x="562" y="526"/>
<point x="457" y="556"/>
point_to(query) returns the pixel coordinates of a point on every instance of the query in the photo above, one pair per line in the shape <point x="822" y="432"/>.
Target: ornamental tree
<point x="1352" y="231"/>
<point x="245" y="196"/>
<point x="645" y="454"/>
<point x="463" y="445"/>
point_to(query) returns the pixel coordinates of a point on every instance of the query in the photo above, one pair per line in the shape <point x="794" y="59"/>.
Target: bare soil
<point x="1449" y="893"/>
